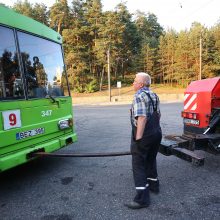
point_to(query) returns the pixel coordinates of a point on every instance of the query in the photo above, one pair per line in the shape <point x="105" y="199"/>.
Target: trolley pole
<point x="109" y="78"/>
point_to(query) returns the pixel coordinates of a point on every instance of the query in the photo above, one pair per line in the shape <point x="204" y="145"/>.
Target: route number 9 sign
<point x="12" y="119"/>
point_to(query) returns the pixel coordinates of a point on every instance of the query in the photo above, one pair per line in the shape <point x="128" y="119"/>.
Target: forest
<point x="135" y="43"/>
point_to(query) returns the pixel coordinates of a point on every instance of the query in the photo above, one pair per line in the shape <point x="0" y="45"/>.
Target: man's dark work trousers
<point x="144" y="166"/>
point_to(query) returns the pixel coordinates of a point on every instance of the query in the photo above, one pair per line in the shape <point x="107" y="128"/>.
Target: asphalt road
<point x="96" y="188"/>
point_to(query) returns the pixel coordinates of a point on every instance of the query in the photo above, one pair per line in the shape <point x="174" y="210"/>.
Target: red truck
<point x="201" y="120"/>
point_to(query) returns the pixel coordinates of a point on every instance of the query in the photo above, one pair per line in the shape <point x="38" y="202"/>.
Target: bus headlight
<point x="64" y="124"/>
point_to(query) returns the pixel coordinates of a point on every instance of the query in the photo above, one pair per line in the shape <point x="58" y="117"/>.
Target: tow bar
<point x="109" y="154"/>
<point x="172" y="145"/>
<point x="179" y="146"/>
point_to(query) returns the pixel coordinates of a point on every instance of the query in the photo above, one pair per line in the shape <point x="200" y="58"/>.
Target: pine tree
<point x="59" y="15"/>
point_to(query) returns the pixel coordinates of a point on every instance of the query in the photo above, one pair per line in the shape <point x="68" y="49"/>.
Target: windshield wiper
<point x="51" y="97"/>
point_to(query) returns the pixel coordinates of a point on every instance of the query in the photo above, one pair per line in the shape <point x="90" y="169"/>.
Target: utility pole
<point x="200" y="58"/>
<point x="109" y="78"/>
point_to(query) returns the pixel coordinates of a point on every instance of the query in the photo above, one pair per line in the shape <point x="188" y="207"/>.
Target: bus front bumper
<point x="14" y="159"/>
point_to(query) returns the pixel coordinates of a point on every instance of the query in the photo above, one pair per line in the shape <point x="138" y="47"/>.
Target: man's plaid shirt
<point x="142" y="105"/>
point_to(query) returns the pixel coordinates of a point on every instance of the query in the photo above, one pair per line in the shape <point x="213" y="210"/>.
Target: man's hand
<point x="141" y="122"/>
<point x="139" y="144"/>
<point x="138" y="141"/>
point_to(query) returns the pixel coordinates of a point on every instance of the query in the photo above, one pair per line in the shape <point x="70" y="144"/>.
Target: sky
<point x="175" y="14"/>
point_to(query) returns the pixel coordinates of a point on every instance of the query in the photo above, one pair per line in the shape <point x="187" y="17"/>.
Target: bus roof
<point x="13" y="19"/>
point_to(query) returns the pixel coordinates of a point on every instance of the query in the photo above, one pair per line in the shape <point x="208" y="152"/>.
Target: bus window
<point x="10" y="77"/>
<point x="43" y="66"/>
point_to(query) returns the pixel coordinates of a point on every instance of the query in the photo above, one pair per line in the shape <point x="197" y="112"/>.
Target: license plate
<point x="30" y="133"/>
<point x="191" y="121"/>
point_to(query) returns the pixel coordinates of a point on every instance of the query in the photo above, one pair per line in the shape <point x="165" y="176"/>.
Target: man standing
<point x="145" y="140"/>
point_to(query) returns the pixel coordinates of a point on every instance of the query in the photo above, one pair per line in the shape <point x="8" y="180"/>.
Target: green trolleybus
<point x="35" y="102"/>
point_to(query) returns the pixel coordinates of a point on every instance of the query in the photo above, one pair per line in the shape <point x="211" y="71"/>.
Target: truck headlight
<point x="65" y="123"/>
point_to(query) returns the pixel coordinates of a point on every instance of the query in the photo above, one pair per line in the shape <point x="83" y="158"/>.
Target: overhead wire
<point x="197" y="9"/>
<point x="180" y="7"/>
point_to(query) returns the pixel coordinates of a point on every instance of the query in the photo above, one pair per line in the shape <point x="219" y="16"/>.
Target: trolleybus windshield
<point x="10" y="76"/>
<point x="42" y="64"/>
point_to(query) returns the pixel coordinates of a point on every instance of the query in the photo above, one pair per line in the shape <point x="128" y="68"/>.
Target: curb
<point x="122" y="100"/>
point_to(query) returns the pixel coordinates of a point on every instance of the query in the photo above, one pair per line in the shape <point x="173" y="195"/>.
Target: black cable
<point x="110" y="154"/>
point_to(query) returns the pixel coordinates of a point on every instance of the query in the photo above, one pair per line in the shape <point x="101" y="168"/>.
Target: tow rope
<point x="109" y="154"/>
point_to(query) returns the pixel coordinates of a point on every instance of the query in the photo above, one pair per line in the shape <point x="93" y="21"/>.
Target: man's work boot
<point x="135" y="205"/>
<point x="153" y="185"/>
<point x="141" y="200"/>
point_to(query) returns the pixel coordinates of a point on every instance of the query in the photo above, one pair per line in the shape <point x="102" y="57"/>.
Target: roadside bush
<point x="78" y="89"/>
<point x="92" y="86"/>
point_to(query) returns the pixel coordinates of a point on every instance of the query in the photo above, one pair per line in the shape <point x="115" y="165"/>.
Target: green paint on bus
<point x="12" y="19"/>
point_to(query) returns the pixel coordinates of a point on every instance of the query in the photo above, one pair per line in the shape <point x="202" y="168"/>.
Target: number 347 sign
<point x="12" y="119"/>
